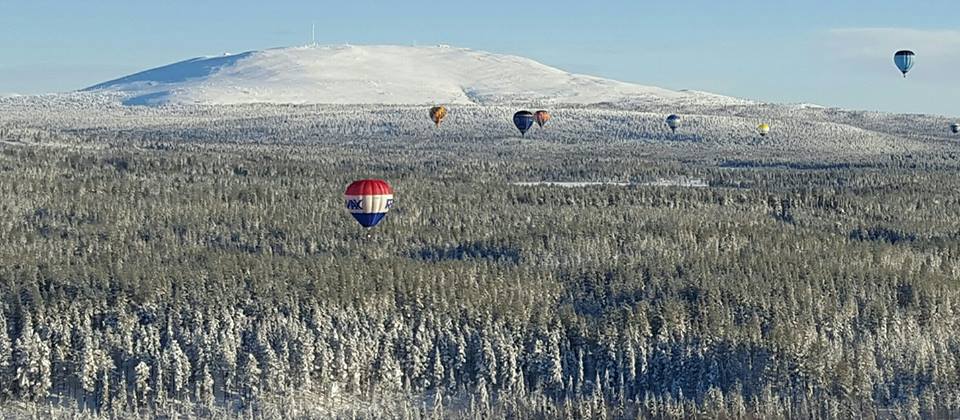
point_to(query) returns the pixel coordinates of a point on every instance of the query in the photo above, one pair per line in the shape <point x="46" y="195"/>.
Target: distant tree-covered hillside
<point x="206" y="268"/>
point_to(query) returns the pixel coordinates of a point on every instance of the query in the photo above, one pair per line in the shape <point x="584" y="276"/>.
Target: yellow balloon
<point x="763" y="129"/>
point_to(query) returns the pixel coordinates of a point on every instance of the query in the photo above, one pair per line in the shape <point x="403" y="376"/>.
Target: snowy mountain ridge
<point x="380" y="74"/>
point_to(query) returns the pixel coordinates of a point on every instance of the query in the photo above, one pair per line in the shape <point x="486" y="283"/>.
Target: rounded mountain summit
<point x="382" y="74"/>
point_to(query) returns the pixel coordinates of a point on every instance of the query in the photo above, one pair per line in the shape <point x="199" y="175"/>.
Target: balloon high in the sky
<point x="542" y="117"/>
<point x="523" y="120"/>
<point x="763" y="129"/>
<point x="437" y="114"/>
<point x="673" y="121"/>
<point x="904" y="61"/>
<point x="955" y="128"/>
<point x="368" y="201"/>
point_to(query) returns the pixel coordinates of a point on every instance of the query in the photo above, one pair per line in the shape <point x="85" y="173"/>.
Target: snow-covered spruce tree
<point x="30" y="364"/>
<point x="249" y="379"/>
<point x="179" y="368"/>
<point x="205" y="387"/>
<point x="142" y="390"/>
<point x="6" y="377"/>
<point x="436" y="376"/>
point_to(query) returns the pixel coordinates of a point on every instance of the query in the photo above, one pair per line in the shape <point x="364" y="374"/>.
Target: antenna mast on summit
<point x="313" y="33"/>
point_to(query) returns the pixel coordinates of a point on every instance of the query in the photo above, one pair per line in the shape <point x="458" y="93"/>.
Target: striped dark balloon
<point x="904" y="60"/>
<point x="523" y="120"/>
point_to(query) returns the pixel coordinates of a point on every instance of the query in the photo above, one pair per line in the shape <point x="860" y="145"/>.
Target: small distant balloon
<point x="673" y="121"/>
<point x="904" y="60"/>
<point x="368" y="201"/>
<point x="955" y="128"/>
<point x="437" y="114"/>
<point x="523" y="120"/>
<point x="542" y="117"/>
<point x="763" y="129"/>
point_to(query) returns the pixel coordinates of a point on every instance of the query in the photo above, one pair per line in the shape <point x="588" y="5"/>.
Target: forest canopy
<point x="200" y="262"/>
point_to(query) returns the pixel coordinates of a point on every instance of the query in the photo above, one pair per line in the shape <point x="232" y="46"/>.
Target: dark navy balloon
<point x="955" y="128"/>
<point x="904" y="61"/>
<point x="523" y="120"/>
<point x="673" y="121"/>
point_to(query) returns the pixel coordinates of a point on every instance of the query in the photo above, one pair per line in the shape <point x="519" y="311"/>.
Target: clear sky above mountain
<point x="826" y="52"/>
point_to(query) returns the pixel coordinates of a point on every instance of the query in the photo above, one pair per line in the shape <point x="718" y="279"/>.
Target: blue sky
<point x="834" y="53"/>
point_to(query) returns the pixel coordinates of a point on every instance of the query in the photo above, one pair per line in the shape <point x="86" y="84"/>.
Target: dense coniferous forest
<point x="198" y="262"/>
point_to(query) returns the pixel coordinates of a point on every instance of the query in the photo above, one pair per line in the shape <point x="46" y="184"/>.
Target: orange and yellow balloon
<point x="437" y="114"/>
<point x="541" y="117"/>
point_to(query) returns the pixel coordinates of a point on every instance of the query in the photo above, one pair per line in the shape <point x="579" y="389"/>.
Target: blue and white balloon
<point x="904" y="60"/>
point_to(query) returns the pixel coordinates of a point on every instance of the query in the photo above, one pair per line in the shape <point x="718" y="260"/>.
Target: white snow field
<point x="661" y="182"/>
<point x="379" y="75"/>
<point x="382" y="93"/>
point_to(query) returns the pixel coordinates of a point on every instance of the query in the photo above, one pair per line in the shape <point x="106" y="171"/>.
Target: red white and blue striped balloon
<point x="369" y="200"/>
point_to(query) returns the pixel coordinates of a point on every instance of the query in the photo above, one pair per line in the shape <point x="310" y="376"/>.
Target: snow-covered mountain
<point x="380" y="75"/>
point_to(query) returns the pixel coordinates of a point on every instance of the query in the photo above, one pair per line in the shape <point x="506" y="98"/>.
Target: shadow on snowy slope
<point x="179" y="72"/>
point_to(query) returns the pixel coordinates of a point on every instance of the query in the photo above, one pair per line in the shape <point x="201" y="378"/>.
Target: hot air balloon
<point x="368" y="201"/>
<point x="904" y="61"/>
<point x="955" y="128"/>
<point x="523" y="120"/>
<point x="437" y="114"/>
<point x="542" y="117"/>
<point x="673" y="121"/>
<point x="763" y="129"/>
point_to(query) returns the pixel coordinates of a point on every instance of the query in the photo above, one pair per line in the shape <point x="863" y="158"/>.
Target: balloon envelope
<point x="437" y="114"/>
<point x="673" y="121"/>
<point x="541" y="117"/>
<point x="368" y="201"/>
<point x="955" y="128"/>
<point x="763" y="129"/>
<point x="904" y="61"/>
<point x="523" y="120"/>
